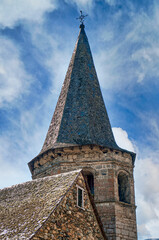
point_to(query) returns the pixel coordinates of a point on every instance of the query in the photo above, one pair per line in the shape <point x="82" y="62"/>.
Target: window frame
<point x="78" y="187"/>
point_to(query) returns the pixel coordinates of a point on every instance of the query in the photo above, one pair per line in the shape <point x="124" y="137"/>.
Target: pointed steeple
<point x="80" y="117"/>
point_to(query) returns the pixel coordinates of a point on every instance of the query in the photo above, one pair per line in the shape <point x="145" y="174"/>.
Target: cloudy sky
<point x="37" y="39"/>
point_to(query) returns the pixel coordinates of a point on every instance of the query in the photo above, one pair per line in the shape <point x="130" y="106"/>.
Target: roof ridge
<point x="78" y="171"/>
<point x="41" y="179"/>
<point x="41" y="195"/>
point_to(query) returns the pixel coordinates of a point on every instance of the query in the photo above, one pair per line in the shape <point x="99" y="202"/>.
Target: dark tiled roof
<point x="24" y="207"/>
<point x="80" y="116"/>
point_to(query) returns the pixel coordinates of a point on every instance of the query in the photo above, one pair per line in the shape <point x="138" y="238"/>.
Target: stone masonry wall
<point x="68" y="221"/>
<point x="125" y="222"/>
<point x="105" y="165"/>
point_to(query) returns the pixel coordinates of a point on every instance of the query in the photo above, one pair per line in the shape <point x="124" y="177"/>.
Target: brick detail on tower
<point x="80" y="136"/>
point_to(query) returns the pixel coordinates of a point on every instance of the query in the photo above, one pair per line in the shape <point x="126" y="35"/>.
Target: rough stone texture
<point x="125" y="221"/>
<point x="105" y="164"/>
<point x="71" y="222"/>
<point x="25" y="207"/>
<point x="80" y="116"/>
<point x="80" y="136"/>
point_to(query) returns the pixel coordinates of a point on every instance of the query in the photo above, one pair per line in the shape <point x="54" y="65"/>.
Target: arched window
<point x="123" y="187"/>
<point x="90" y="180"/>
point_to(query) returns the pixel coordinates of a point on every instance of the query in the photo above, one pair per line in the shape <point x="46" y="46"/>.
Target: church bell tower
<point x="80" y="136"/>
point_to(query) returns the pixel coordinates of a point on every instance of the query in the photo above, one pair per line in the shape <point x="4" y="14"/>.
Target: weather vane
<point x="82" y="17"/>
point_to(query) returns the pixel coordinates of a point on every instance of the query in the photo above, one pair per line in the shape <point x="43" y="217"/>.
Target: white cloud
<point x="11" y="12"/>
<point x="154" y="127"/>
<point x="57" y="65"/>
<point x="150" y="121"/>
<point x="148" y="60"/>
<point x="13" y="163"/>
<point x="30" y="123"/>
<point x="107" y="65"/>
<point x="143" y="232"/>
<point x="12" y="173"/>
<point x="19" y="146"/>
<point x="14" y="156"/>
<point x="13" y="78"/>
<point x="134" y="58"/>
<point x="112" y="72"/>
<point x="54" y="54"/>
<point x="85" y="5"/>
<point x="111" y="2"/>
<point x="122" y="139"/>
<point x="147" y="196"/>
<point x="147" y="187"/>
<point x="149" y="174"/>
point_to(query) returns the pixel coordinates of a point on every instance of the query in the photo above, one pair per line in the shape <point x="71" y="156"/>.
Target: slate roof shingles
<point x="80" y="117"/>
<point x="24" y="207"/>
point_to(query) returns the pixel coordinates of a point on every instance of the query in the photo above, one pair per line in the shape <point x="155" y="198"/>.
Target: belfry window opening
<point x="123" y="187"/>
<point x="90" y="181"/>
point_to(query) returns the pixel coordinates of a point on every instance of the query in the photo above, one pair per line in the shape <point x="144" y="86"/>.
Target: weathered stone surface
<point x="25" y="207"/>
<point x="118" y="218"/>
<point x="80" y="136"/>
<point x="80" y="116"/>
<point x="71" y="222"/>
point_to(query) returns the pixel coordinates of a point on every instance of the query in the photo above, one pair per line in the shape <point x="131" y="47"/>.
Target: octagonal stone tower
<point x="80" y="136"/>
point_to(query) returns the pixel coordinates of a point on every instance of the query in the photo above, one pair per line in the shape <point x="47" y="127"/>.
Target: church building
<point x="83" y="184"/>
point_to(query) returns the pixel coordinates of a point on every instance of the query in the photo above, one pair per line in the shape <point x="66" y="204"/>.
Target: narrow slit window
<point x="123" y="188"/>
<point x="90" y="181"/>
<point x="80" y="202"/>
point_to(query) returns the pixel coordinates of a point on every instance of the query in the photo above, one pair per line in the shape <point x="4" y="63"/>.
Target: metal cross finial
<point x="81" y="18"/>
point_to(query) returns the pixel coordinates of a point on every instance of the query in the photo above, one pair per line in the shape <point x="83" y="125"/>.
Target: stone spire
<point x="80" y="117"/>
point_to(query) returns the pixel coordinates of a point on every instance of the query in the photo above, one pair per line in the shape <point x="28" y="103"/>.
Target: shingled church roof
<point x="80" y="116"/>
<point x="25" y="207"/>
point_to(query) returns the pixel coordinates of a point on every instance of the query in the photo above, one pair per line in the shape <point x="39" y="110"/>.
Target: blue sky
<point x="37" y="39"/>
